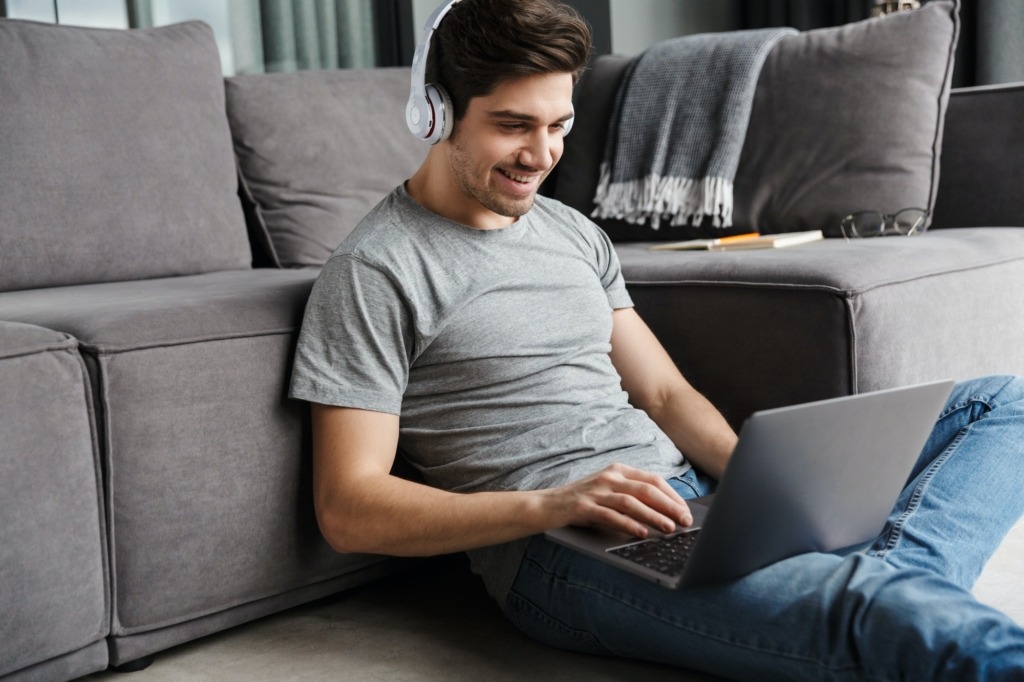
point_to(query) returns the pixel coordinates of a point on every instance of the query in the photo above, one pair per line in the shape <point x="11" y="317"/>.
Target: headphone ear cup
<point x="444" y="114"/>
<point x="417" y="116"/>
<point x="567" y="126"/>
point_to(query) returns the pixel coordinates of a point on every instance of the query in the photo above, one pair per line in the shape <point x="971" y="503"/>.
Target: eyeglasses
<point x="907" y="221"/>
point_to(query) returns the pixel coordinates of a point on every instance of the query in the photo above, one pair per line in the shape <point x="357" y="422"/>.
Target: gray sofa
<point x="840" y="124"/>
<point x="155" y="479"/>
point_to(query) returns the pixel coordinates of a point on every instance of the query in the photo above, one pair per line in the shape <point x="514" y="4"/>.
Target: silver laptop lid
<point x="824" y="476"/>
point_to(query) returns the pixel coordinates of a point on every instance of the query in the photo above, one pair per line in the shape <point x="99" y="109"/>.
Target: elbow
<point x="337" y="527"/>
<point x="658" y="402"/>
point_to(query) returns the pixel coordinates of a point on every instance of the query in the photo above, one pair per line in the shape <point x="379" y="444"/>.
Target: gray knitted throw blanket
<point x="677" y="129"/>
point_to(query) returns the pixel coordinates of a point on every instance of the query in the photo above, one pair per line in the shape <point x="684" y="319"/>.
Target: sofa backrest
<point x="982" y="158"/>
<point x="115" y="156"/>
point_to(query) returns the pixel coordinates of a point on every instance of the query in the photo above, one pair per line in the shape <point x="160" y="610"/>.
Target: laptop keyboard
<point x="666" y="555"/>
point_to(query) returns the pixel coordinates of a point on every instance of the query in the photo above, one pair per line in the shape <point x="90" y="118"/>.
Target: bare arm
<point x="361" y="507"/>
<point x="655" y="385"/>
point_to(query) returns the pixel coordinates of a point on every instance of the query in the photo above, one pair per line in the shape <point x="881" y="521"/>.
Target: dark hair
<point x="482" y="43"/>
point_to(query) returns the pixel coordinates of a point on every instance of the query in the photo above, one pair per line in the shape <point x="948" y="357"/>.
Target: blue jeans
<point x="899" y="609"/>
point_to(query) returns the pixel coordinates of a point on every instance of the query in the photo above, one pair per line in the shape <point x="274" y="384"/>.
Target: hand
<point x="621" y="498"/>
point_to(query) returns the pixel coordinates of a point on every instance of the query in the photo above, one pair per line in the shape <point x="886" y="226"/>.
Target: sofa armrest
<point x="982" y="158"/>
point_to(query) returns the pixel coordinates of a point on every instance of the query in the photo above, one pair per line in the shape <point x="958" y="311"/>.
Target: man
<point x="487" y="332"/>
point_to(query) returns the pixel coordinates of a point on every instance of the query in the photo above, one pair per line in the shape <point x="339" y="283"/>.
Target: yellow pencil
<point x="738" y="237"/>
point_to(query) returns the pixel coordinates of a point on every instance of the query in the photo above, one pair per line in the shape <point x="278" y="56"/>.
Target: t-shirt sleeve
<point x="356" y="340"/>
<point x="609" y="270"/>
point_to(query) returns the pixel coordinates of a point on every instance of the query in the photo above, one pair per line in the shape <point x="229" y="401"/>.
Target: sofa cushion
<point x="761" y="329"/>
<point x="849" y="119"/>
<point x="844" y="119"/>
<point x="317" y="150"/>
<point x="207" y="460"/>
<point x="53" y="568"/>
<point x="117" y="161"/>
<point x="124" y="316"/>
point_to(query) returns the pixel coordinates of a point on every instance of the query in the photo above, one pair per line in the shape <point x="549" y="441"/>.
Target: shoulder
<point x="365" y="258"/>
<point x="573" y="224"/>
<point x="394" y="239"/>
<point x="383" y="229"/>
<point x="555" y="210"/>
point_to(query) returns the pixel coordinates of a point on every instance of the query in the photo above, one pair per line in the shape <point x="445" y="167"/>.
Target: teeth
<point x="517" y="178"/>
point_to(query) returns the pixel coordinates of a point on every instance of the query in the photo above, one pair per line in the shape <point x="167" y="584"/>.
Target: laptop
<point x="817" y="477"/>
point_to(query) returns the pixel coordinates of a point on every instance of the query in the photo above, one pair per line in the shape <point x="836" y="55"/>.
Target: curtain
<point x="800" y="14"/>
<point x="317" y="34"/>
<point x="991" y="48"/>
<point x="275" y="35"/>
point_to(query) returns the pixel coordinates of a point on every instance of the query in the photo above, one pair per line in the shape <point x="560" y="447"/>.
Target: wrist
<point x="541" y="510"/>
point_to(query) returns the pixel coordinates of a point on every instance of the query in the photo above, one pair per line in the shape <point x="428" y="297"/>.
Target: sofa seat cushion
<point x="759" y="329"/>
<point x="207" y="460"/>
<point x="119" y="317"/>
<point x="53" y="568"/>
<point x="117" y="161"/>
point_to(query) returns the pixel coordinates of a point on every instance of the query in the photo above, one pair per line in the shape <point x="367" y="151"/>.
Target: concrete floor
<point x="437" y="624"/>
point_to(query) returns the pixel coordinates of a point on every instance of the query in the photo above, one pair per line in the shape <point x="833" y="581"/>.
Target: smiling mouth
<point x="521" y="179"/>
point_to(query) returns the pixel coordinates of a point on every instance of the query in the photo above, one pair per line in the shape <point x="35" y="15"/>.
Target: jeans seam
<point x="982" y="400"/>
<point x="896" y="532"/>
<point x="535" y="611"/>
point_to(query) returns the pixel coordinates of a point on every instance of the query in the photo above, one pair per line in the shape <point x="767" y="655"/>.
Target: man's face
<point x="505" y="145"/>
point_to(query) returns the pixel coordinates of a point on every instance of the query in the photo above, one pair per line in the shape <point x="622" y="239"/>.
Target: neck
<point x="435" y="188"/>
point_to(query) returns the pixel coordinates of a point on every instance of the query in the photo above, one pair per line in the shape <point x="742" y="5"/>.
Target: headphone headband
<point x="429" y="113"/>
<point x="419" y="59"/>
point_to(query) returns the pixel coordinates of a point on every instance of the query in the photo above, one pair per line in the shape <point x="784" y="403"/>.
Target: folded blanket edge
<point x="680" y="201"/>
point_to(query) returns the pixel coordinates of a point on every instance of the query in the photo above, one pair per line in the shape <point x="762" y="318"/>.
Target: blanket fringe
<point x="680" y="201"/>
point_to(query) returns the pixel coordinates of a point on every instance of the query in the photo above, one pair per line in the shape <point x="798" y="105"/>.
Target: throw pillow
<point x="844" y="119"/>
<point x="117" y="161"/>
<point x="848" y="119"/>
<point x="317" y="150"/>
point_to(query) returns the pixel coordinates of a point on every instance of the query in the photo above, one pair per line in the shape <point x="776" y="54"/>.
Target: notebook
<point x="816" y="477"/>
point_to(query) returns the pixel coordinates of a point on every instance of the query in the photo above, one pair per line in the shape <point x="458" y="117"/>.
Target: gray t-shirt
<point x="492" y="346"/>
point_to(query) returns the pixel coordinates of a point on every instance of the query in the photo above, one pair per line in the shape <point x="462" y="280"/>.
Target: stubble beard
<point x="486" y="195"/>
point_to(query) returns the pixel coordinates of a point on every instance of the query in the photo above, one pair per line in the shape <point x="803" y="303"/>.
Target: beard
<point x="481" y="189"/>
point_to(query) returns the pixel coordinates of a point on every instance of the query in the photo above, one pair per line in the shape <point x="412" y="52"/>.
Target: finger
<point x="624" y="511"/>
<point x="637" y="498"/>
<point x="635" y="508"/>
<point x="662" y="499"/>
<point x="608" y="517"/>
<point x="653" y="479"/>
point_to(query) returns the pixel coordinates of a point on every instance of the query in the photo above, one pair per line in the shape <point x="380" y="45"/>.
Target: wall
<point x="421" y="10"/>
<point x="638" y="24"/>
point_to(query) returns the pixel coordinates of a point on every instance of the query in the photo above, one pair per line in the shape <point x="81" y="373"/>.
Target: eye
<point x="514" y="127"/>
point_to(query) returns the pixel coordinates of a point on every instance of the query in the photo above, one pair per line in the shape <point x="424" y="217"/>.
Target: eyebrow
<point x="519" y="116"/>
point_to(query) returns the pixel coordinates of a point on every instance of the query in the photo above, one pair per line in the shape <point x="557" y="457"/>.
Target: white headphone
<point x="429" y="113"/>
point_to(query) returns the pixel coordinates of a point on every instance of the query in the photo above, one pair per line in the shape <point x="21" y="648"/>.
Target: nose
<point x="542" y="150"/>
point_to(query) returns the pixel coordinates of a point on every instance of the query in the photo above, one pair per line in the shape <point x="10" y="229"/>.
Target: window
<point x="256" y="36"/>
<point x="99" y="13"/>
